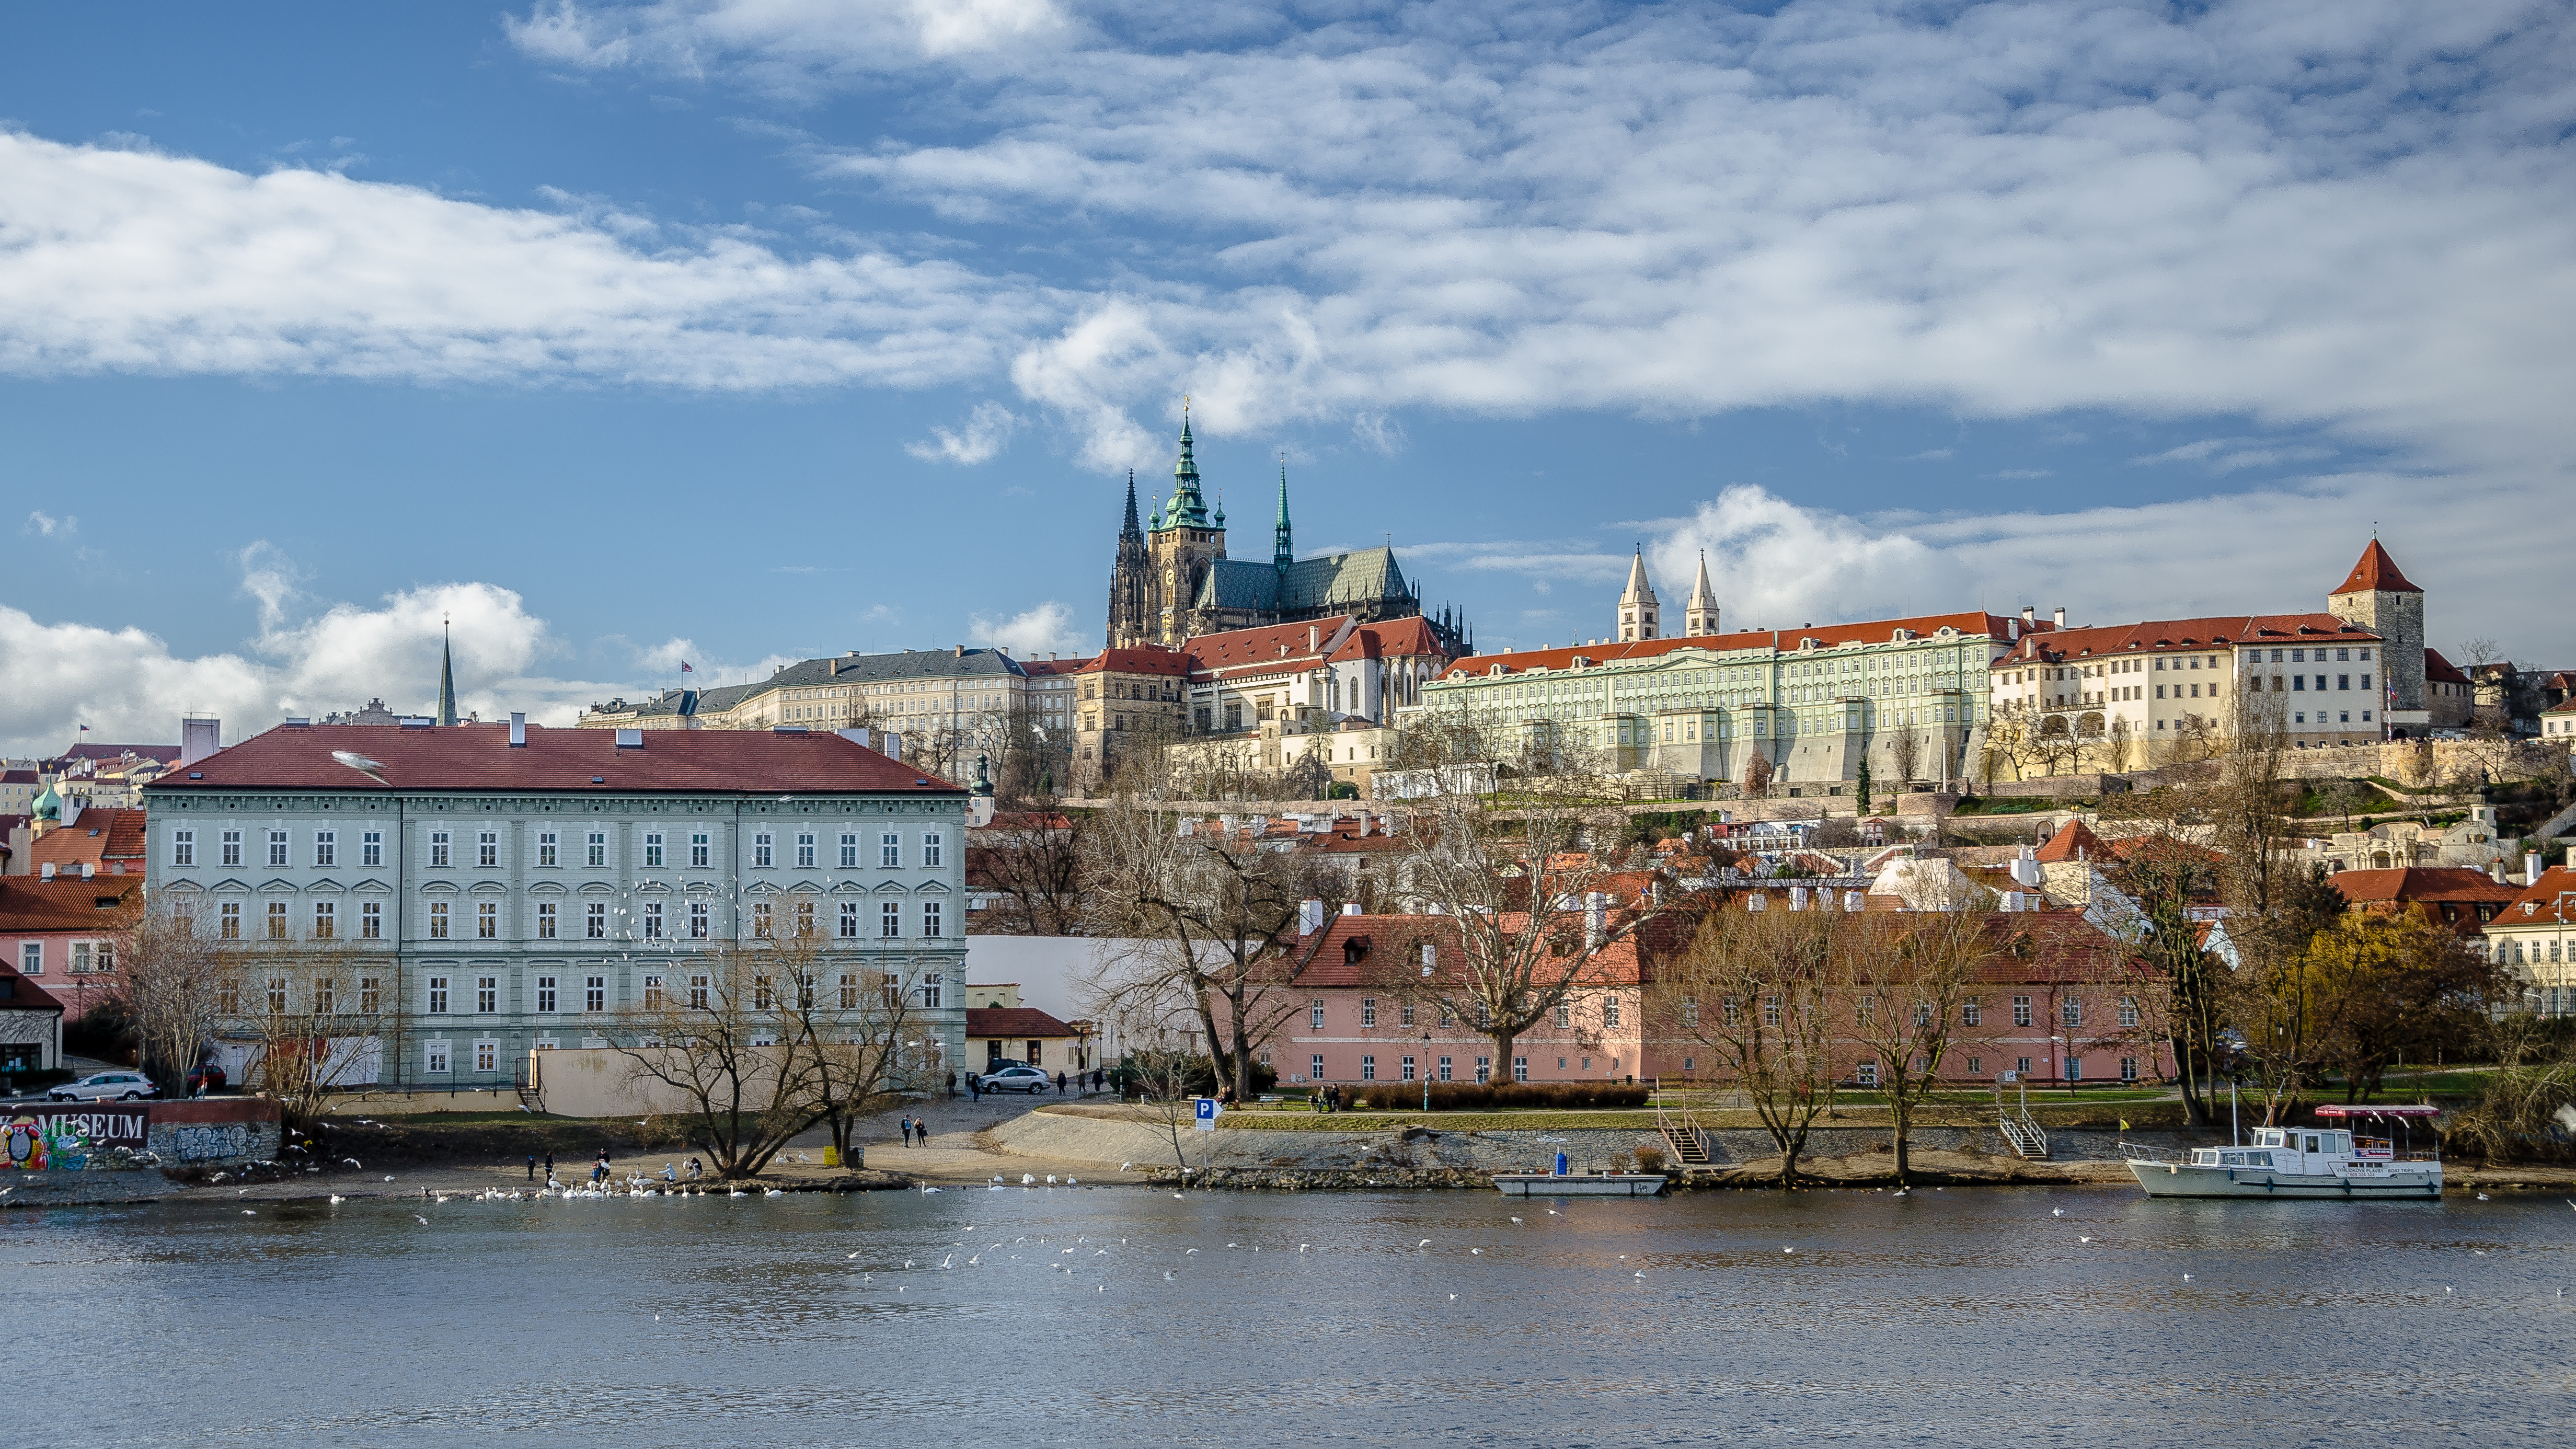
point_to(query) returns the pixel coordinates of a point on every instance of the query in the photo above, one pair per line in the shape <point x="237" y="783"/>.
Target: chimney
<point x="959" y="652"/>
<point x="2025" y="868"/>
<point x="2531" y="868"/>
<point x="88" y="870"/>
<point x="2495" y="871"/>
<point x="2061" y="616"/>
<point x="1350" y="908"/>
<point x="1310" y="917"/>
<point x="48" y="871"/>
<point x="894" y="745"/>
<point x="1596" y="919"/>
<point x="199" y="738"/>
<point x="1314" y="638"/>
<point x="2030" y="613"/>
<point x="518" y="729"/>
<point x="630" y="739"/>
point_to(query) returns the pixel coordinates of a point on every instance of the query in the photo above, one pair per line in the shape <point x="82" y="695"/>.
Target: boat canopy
<point x="2338" y="1109"/>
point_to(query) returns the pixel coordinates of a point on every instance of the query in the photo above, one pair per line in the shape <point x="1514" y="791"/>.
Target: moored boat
<point x="1588" y="1184"/>
<point x="2327" y="1162"/>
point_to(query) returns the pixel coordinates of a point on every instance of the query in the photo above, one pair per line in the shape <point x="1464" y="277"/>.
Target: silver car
<point x="1018" y="1079"/>
<point x="121" y="1086"/>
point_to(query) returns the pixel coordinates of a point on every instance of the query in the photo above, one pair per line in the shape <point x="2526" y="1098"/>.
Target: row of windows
<point x="86" y="957"/>
<point x="445" y="922"/>
<point x="485" y="847"/>
<point x="660" y="992"/>
<point x="2070" y="1011"/>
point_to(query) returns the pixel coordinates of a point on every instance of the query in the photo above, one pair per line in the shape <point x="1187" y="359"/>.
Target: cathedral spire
<point x="1188" y="508"/>
<point x="1283" y="551"/>
<point x="446" y="676"/>
<point x="1640" y="616"/>
<point x="1699" y="615"/>
<point x="1130" y="530"/>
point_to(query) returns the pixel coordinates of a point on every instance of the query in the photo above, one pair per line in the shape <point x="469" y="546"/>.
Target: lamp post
<point x="1426" y="1071"/>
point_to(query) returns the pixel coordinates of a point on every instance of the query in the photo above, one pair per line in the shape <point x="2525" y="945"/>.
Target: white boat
<point x="2329" y="1162"/>
<point x="1586" y="1184"/>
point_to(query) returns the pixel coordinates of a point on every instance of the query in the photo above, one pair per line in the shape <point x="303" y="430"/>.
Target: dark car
<point x="207" y="1078"/>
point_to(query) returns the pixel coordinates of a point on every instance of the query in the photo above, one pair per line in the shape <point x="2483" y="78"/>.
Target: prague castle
<point x="1172" y="580"/>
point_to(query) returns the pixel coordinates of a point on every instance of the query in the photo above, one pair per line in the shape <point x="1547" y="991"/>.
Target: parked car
<point x="205" y="1077"/>
<point x="120" y="1086"/>
<point x="1018" y="1079"/>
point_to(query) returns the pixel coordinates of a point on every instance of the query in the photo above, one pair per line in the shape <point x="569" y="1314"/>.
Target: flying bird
<point x="372" y="769"/>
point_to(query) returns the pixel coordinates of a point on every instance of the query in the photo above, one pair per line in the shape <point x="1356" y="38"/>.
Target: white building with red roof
<point x="512" y="888"/>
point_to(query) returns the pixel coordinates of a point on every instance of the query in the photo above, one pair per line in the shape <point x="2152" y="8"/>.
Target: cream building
<point x="2534" y="937"/>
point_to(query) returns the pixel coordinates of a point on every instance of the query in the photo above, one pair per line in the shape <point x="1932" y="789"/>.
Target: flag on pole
<point x="84" y="729"/>
<point x="685" y="669"/>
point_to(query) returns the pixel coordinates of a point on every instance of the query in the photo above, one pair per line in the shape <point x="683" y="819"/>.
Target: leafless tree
<point x="1029" y="866"/>
<point x="713" y="1041"/>
<point x="858" y="1029"/>
<point x="1905" y="752"/>
<point x="316" y="1011"/>
<point x="1905" y="977"/>
<point x="1757" y="775"/>
<point x="167" y="979"/>
<point x="1752" y="990"/>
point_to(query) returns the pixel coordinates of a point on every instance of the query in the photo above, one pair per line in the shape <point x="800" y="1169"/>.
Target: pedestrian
<point x="1097" y="1078"/>
<point x="906" y="1124"/>
<point x="952" y="1084"/>
<point x="695" y="1171"/>
<point x="974" y="1087"/>
<point x="532" y="1167"/>
<point x="670" y="1173"/>
<point x="1059" y="1082"/>
<point x="550" y="1164"/>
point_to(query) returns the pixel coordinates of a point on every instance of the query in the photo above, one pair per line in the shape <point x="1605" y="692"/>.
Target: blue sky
<point x="749" y="329"/>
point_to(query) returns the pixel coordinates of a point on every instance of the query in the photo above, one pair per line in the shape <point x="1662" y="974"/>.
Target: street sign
<point x="2012" y="1076"/>
<point x="1206" y="1114"/>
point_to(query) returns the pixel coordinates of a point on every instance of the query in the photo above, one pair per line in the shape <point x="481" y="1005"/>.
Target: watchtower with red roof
<point x="2378" y="597"/>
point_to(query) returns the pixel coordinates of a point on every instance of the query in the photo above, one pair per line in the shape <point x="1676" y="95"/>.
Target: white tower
<point x="1699" y="616"/>
<point x="1640" y="617"/>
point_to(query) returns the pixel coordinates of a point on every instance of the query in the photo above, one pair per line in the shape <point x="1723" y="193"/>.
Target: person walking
<point x="952" y="1084"/>
<point x="1098" y="1078"/>
<point x="974" y="1087"/>
<point x="532" y="1167"/>
<point x="1059" y="1082"/>
<point x="907" y="1130"/>
<point x="550" y="1164"/>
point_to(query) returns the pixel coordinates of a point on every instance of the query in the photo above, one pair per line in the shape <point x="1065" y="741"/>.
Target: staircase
<point x="2024" y="1135"/>
<point x="1682" y="1133"/>
<point x="531" y="1090"/>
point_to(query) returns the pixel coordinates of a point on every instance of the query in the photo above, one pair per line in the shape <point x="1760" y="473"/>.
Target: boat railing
<point x="2144" y="1152"/>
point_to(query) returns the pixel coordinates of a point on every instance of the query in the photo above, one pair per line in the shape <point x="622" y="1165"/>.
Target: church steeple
<point x="1699" y="616"/>
<point x="1130" y="581"/>
<point x="1640" y="617"/>
<point x="1188" y="508"/>
<point x="1283" y="551"/>
<point x="446" y="677"/>
<point x="1130" y="530"/>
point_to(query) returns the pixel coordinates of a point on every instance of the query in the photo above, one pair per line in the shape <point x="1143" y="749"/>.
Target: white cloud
<point x="45" y="525"/>
<point x="1049" y="626"/>
<point x="2226" y="455"/>
<point x="791" y="45"/>
<point x="123" y="260"/>
<point x="1777" y="565"/>
<point x="988" y="430"/>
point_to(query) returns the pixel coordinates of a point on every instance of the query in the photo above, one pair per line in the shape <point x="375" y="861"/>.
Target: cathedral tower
<point x="1130" y="580"/>
<point x="1640" y="617"/>
<point x="1185" y="541"/>
<point x="1699" y="616"/>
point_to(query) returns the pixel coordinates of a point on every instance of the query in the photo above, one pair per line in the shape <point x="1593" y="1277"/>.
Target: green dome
<point x="48" y="805"/>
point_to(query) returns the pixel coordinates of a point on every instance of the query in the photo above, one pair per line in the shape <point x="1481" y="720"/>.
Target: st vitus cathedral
<point x="1172" y="580"/>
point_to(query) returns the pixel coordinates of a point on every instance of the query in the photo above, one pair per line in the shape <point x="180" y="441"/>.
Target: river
<point x="1966" y="1317"/>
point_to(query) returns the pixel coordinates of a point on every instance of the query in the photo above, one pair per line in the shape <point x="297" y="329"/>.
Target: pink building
<point x="61" y="935"/>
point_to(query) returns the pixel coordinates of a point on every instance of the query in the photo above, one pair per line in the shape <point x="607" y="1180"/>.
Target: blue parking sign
<point x="1206" y="1114"/>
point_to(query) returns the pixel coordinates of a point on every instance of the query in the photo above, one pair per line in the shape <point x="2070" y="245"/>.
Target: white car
<point x="1018" y="1079"/>
<point x="105" y="1086"/>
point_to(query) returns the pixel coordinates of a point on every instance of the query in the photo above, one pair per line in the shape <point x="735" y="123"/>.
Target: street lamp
<point x="1426" y="1071"/>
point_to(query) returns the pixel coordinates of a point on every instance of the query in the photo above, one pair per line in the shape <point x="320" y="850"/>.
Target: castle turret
<point x="1640" y="617"/>
<point x="1699" y="615"/>
<point x="2378" y="597"/>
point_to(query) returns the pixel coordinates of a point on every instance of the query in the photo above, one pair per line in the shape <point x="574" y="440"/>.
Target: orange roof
<point x="1273" y="646"/>
<point x="2420" y="883"/>
<point x="108" y="839"/>
<point x="1147" y="659"/>
<point x="2438" y="670"/>
<point x="2376" y="574"/>
<point x="2550" y="901"/>
<point x="2075" y="842"/>
<point x="1874" y="632"/>
<point x="110" y="903"/>
<point x="2185" y="636"/>
<point x="1391" y="951"/>
<point x="1014" y="1021"/>
<point x="481" y="757"/>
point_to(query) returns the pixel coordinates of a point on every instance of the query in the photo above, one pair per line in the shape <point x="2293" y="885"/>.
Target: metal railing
<point x="1689" y="1141"/>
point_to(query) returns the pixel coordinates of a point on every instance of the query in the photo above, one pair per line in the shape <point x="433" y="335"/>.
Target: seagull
<point x="854" y="1255"/>
<point x="1551" y="1212"/>
<point x="2186" y="1277"/>
<point x="1637" y="1275"/>
<point x="353" y="1162"/>
<point x="246" y="1212"/>
<point x="389" y="1179"/>
<point x="2482" y="1197"/>
<point x="1788" y="1250"/>
<point x="372" y="769"/>
<point x="1453" y="1297"/>
<point x="335" y="1197"/>
<point x="1476" y="1252"/>
<point x="1186" y="1254"/>
<point x="2083" y="1240"/>
<point x="424" y="1222"/>
<point x="1516" y="1220"/>
<point x="2057" y="1212"/>
<point x="1167" y="1275"/>
<point x="1426" y="1242"/>
<point x="1122" y="1167"/>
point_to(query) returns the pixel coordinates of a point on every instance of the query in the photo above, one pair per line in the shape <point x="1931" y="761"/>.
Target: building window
<point x="1867" y="1076"/>
<point x="698" y="992"/>
<point x="2021" y="1066"/>
<point x="1972" y="1013"/>
<point x="890" y="850"/>
<point x="1315" y="1069"/>
<point x="761" y="849"/>
<point x="2128" y="1069"/>
<point x="594" y="994"/>
<point x="183" y="847"/>
<point x="487" y="849"/>
<point x="934" y="990"/>
<point x="545" y="920"/>
<point x="930" y="926"/>
<point x="1404" y="1014"/>
<point x="849" y="850"/>
<point x="760" y="920"/>
<point x="438" y="849"/>
<point x="326" y="847"/>
<point x="595" y="848"/>
<point x="277" y="847"/>
<point x="1610" y="1011"/>
<point x="805" y="852"/>
<point x="1368" y="1069"/>
<point x="804" y="920"/>
<point x="849" y="920"/>
<point x="699" y="850"/>
<point x="434" y="1058"/>
<point x="487" y="995"/>
<point x="232" y="847"/>
<point x="371" y="995"/>
<point x="890" y="920"/>
<point x="1404" y="1069"/>
<point x="546" y="842"/>
<point x="1564" y="1018"/>
<point x="487" y="921"/>
<point x="1444" y="1069"/>
<point x="2128" y="1011"/>
<point x="1368" y="1012"/>
<point x="1484" y="1070"/>
<point x="595" y="921"/>
<point x="31" y="958"/>
<point x="437" y="1005"/>
<point x="371" y="921"/>
<point x="486" y="1055"/>
<point x="1520" y="1068"/>
<point x="2021" y="1011"/>
<point x="1315" y="1015"/>
<point x="1976" y="1066"/>
<point x="653" y="850"/>
<point x="2070" y="1012"/>
<point x="653" y="1000"/>
<point x="545" y="996"/>
<point x="2075" y="1069"/>
<point x="371" y="848"/>
<point x="849" y="992"/>
<point x="1770" y="1005"/>
<point x="932" y="843"/>
<point x="652" y="920"/>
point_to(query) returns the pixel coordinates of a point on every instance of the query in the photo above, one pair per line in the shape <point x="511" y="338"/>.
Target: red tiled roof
<point x="1149" y="660"/>
<point x="2066" y="844"/>
<point x="479" y="757"/>
<point x="2438" y="670"/>
<point x="1013" y="1021"/>
<point x="29" y="904"/>
<point x="166" y="753"/>
<point x="2376" y="573"/>
<point x="1035" y="668"/>
<point x="1874" y="632"/>
<point x="2185" y="636"/>
<point x="2549" y="901"/>
<point x="96" y="838"/>
<point x="1394" y="951"/>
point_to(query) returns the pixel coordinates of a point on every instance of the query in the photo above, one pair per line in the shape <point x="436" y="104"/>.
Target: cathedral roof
<point x="1358" y="577"/>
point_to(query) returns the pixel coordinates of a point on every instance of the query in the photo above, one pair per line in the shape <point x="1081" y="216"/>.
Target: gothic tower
<point x="1130" y="617"/>
<point x="1184" y="540"/>
<point x="1640" y="617"/>
<point x="1282" y="551"/>
<point x="2378" y="598"/>
<point x="1699" y="616"/>
<point x="446" y="678"/>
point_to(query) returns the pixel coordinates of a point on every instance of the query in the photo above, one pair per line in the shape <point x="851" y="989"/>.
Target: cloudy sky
<point x="740" y="330"/>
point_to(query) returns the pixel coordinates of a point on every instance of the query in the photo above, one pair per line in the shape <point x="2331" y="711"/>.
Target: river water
<point x="1963" y="1317"/>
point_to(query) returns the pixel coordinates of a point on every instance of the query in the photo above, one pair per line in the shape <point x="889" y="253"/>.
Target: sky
<point x="739" y="331"/>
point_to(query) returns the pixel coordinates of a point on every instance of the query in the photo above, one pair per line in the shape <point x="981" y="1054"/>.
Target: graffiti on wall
<point x="64" y="1139"/>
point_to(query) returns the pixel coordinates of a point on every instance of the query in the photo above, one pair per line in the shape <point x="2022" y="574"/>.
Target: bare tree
<point x="1030" y="870"/>
<point x="713" y="1039"/>
<point x="1905" y="977"/>
<point x="1753" y="990"/>
<point x="316" y="1012"/>
<point x="858" y="1029"/>
<point x="1530" y="893"/>
<point x="2119" y="747"/>
<point x="1905" y="752"/>
<point x="1757" y="775"/>
<point x="167" y="981"/>
<point x="1213" y="918"/>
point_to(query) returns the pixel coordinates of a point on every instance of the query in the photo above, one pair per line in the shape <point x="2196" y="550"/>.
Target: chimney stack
<point x="1596" y="919"/>
<point x="199" y="738"/>
<point x="2061" y="616"/>
<point x="518" y="729"/>
<point x="2030" y="613"/>
<point x="1310" y="917"/>
<point x="2531" y="867"/>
